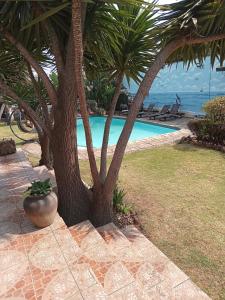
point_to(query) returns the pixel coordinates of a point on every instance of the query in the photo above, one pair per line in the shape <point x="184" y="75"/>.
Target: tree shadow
<point x="186" y="147"/>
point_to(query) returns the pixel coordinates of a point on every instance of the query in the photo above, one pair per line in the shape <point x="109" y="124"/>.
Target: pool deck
<point x="147" y="143"/>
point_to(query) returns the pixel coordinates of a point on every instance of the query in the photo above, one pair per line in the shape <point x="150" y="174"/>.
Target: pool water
<point x="140" y="131"/>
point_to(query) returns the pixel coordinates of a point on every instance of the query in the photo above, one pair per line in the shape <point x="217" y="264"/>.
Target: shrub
<point x="7" y="146"/>
<point x="212" y="128"/>
<point x="215" y="109"/>
<point x="39" y="188"/>
<point x="118" y="201"/>
<point x="208" y="131"/>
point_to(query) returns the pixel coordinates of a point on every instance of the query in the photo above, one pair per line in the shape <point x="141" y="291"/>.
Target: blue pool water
<point x="140" y="131"/>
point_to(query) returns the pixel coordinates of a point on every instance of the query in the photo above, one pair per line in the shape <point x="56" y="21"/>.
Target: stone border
<point x="147" y="143"/>
<point x="132" y="146"/>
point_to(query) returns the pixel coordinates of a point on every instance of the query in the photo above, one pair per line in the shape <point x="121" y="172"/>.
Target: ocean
<point x="190" y="101"/>
<point x="194" y="86"/>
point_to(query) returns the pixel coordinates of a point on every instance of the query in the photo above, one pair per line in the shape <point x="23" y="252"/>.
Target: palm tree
<point x="53" y="32"/>
<point x="134" y="51"/>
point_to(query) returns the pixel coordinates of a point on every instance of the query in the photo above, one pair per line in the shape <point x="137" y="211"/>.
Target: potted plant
<point x="40" y="203"/>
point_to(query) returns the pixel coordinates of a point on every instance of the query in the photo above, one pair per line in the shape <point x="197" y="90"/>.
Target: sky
<point x="177" y="78"/>
<point x="167" y="1"/>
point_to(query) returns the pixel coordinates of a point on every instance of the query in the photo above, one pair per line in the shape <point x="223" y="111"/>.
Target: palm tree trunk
<point x="46" y="154"/>
<point x="78" y="49"/>
<point x="101" y="209"/>
<point x="103" y="167"/>
<point x="73" y="196"/>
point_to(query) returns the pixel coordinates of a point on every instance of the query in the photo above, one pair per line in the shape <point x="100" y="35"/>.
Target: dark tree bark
<point x="46" y="154"/>
<point x="101" y="210"/>
<point x="103" y="164"/>
<point x="78" y="68"/>
<point x="73" y="196"/>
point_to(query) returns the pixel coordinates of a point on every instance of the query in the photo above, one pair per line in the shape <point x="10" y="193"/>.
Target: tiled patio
<point x="80" y="262"/>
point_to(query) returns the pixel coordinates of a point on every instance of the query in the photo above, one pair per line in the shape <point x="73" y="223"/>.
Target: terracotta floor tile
<point x="46" y="254"/>
<point x="15" y="279"/>
<point x="116" y="278"/>
<point x="70" y="249"/>
<point x="61" y="286"/>
<point x="95" y="292"/>
<point x="147" y="276"/>
<point x="83" y="275"/>
<point x="132" y="291"/>
<point x="9" y="258"/>
<point x="85" y="235"/>
<point x="9" y="233"/>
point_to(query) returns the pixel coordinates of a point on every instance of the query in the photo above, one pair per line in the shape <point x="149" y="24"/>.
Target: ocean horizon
<point x="190" y="101"/>
<point x="194" y="86"/>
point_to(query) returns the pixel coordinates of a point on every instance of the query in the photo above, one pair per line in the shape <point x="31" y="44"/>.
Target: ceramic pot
<point x="41" y="210"/>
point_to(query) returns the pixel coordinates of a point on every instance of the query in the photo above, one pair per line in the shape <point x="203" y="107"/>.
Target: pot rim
<point x="38" y="197"/>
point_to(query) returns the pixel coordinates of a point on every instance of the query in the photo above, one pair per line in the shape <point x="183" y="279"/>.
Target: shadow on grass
<point x="186" y="147"/>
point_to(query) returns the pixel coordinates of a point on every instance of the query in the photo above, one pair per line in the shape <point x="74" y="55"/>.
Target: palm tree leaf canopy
<point x="191" y="18"/>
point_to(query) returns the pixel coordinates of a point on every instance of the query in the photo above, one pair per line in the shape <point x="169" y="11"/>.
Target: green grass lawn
<point x="179" y="194"/>
<point x="5" y="132"/>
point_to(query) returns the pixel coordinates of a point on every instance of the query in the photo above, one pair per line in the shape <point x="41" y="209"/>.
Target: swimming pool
<point x="140" y="131"/>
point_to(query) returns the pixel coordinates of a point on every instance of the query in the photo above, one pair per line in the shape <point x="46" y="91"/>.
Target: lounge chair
<point x="148" y="112"/>
<point x="173" y="114"/>
<point x="163" y="111"/>
<point x="124" y="109"/>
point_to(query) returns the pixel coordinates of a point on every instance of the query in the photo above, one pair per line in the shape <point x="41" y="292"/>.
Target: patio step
<point x="158" y="275"/>
<point x="112" y="276"/>
<point x="110" y="262"/>
<point x="118" y="243"/>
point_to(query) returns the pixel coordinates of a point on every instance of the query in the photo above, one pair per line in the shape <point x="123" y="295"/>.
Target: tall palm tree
<point x="134" y="51"/>
<point x="31" y="24"/>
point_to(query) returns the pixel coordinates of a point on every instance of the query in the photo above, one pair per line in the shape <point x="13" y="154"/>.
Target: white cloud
<point x="167" y="1"/>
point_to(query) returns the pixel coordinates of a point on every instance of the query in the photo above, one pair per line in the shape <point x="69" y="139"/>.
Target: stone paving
<point x="79" y="262"/>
